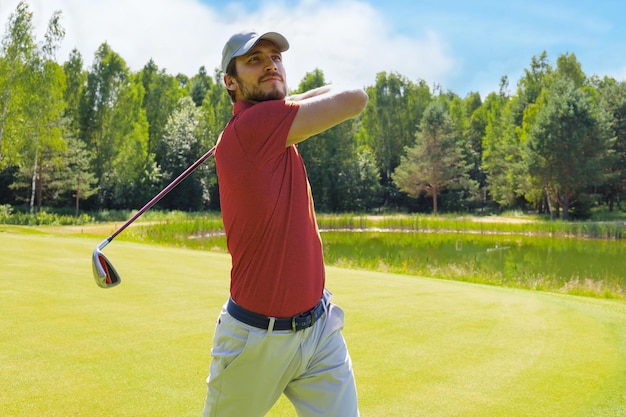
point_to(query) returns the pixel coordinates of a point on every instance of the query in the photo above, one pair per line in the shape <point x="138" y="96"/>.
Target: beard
<point x="252" y="92"/>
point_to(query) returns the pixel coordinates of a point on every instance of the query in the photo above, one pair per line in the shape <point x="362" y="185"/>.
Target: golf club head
<point x="104" y="273"/>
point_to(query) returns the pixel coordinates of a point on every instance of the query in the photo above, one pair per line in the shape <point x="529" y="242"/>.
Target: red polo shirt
<point x="267" y="208"/>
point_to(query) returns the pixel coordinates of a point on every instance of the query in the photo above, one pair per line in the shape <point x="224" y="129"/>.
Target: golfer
<point x="278" y="332"/>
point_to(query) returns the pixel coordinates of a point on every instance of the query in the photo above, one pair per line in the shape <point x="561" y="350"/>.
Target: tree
<point x="567" y="66"/>
<point x="76" y="82"/>
<point x="216" y="111"/>
<point x="474" y="131"/>
<point x="199" y="84"/>
<point x="17" y="49"/>
<point x="132" y="175"/>
<point x="162" y="92"/>
<point x="502" y="158"/>
<point x="80" y="181"/>
<point x="524" y="109"/>
<point x="366" y="193"/>
<point x="390" y="120"/>
<point x="469" y="121"/>
<point x="105" y="79"/>
<point x="613" y="100"/>
<point x="114" y="126"/>
<point x="217" y="108"/>
<point x="568" y="144"/>
<point x="44" y="109"/>
<point x="184" y="146"/>
<point x="329" y="157"/>
<point x="532" y="83"/>
<point x="436" y="162"/>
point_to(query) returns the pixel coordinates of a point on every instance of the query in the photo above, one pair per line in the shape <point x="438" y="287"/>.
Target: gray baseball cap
<point x="241" y="43"/>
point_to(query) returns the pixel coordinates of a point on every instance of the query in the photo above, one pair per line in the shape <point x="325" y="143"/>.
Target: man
<point x="278" y="332"/>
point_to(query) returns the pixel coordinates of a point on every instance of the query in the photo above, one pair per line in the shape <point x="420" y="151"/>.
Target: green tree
<point x="613" y="100"/>
<point x="532" y="83"/>
<point x="469" y="129"/>
<point x="106" y="77"/>
<point x="568" y="144"/>
<point x="44" y="108"/>
<point x="367" y="192"/>
<point x="162" y="92"/>
<point x="524" y="110"/>
<point x="502" y="158"/>
<point x="199" y="85"/>
<point x="76" y="82"/>
<point x="114" y="126"/>
<point x="184" y="146"/>
<point x="39" y="105"/>
<point x="474" y="130"/>
<point x="133" y="174"/>
<point x="216" y="111"/>
<point x="390" y="121"/>
<point x="329" y="157"/>
<point x="436" y="161"/>
<point x="80" y="182"/>
<point x="49" y="171"/>
<point x="567" y="66"/>
<point x="17" y="49"/>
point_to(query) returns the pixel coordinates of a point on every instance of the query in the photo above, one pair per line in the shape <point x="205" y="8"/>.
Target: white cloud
<point x="347" y="40"/>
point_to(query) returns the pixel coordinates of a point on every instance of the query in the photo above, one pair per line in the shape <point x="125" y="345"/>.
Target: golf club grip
<point x="164" y="192"/>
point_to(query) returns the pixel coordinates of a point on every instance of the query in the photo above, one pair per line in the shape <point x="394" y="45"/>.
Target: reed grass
<point x="486" y="225"/>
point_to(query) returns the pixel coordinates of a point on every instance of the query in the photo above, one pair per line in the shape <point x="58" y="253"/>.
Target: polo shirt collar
<point x="241" y="106"/>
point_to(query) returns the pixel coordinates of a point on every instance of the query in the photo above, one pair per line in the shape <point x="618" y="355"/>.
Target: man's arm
<point x="323" y="108"/>
<point x="308" y="94"/>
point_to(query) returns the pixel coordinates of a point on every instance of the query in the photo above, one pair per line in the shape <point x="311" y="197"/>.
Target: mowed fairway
<point x="420" y="347"/>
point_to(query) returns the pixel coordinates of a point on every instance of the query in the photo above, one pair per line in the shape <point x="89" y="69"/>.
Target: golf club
<point x="104" y="273"/>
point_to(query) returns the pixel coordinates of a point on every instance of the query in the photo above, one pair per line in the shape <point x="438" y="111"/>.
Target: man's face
<point x="260" y="74"/>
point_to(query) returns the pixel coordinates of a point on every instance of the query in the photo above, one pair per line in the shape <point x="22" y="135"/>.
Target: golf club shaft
<point x="160" y="195"/>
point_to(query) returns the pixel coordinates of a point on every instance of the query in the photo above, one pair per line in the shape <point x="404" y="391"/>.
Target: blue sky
<point x="458" y="45"/>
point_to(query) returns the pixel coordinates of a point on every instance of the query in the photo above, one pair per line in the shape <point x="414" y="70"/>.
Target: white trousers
<point x="252" y="367"/>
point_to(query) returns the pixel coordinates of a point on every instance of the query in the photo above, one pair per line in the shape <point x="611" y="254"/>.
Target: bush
<point x="8" y="215"/>
<point x="6" y="210"/>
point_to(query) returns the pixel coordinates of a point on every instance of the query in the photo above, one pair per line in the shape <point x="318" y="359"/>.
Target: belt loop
<point x="270" y="328"/>
<point x="326" y="299"/>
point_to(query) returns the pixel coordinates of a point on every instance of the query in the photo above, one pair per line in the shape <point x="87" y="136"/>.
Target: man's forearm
<point x="311" y="93"/>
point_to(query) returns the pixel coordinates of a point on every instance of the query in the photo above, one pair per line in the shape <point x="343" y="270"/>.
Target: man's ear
<point x="230" y="82"/>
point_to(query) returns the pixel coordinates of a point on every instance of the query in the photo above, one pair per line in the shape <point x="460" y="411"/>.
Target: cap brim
<point x="276" y="38"/>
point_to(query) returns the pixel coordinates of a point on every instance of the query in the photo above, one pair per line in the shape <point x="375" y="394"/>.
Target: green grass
<point x="420" y="346"/>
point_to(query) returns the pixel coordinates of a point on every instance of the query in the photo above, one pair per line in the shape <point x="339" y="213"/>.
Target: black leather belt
<point x="298" y="322"/>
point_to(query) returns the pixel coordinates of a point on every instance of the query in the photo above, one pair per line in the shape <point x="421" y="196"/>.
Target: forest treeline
<point x="96" y="135"/>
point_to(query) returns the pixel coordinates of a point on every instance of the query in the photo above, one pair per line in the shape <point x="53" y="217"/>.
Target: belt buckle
<point x="295" y="322"/>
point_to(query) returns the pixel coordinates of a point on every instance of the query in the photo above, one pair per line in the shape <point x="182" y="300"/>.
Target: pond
<point x="571" y="265"/>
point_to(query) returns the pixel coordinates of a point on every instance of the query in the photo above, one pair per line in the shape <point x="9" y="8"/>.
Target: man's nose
<point x="270" y="65"/>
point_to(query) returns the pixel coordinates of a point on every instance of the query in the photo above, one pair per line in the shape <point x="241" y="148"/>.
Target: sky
<point x="456" y="45"/>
